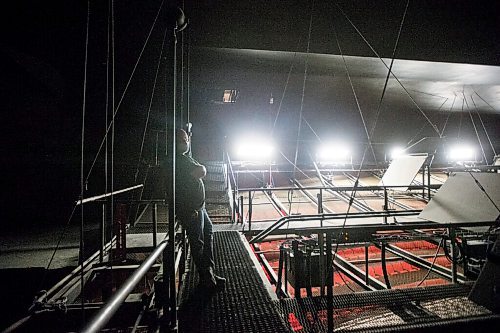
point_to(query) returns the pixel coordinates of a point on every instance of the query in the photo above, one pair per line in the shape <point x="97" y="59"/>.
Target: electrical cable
<point x="433" y="262"/>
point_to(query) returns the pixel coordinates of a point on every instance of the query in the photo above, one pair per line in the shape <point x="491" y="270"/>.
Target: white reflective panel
<point x="402" y="171"/>
<point x="461" y="199"/>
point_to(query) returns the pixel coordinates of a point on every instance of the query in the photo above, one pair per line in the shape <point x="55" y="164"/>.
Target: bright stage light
<point x="461" y="153"/>
<point x="333" y="153"/>
<point x="254" y="150"/>
<point x="397" y="152"/>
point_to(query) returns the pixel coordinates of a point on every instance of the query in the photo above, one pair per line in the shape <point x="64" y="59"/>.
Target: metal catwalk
<point x="429" y="309"/>
<point x="244" y="306"/>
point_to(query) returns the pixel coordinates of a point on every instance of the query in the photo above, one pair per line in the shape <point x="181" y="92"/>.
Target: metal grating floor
<point x="244" y="306"/>
<point x="436" y="308"/>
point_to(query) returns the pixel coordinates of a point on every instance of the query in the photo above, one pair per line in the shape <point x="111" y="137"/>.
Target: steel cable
<point x="383" y="62"/>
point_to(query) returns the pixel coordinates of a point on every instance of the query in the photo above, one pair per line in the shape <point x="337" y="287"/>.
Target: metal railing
<point x="319" y="200"/>
<point x="331" y="236"/>
<point x="107" y="312"/>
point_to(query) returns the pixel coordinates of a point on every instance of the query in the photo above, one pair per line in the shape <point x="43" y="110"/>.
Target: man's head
<point x="181" y="141"/>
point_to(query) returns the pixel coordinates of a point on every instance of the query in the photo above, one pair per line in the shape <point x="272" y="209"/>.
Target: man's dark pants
<point x="200" y="235"/>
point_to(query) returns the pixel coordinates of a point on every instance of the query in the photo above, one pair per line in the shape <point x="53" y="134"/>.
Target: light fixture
<point x="253" y="149"/>
<point x="333" y="153"/>
<point x="397" y="152"/>
<point x="461" y="153"/>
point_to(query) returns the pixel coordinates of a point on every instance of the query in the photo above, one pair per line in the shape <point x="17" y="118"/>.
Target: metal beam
<point x="422" y="263"/>
<point x="357" y="275"/>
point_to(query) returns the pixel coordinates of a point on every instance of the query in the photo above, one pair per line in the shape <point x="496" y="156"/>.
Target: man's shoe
<point x="213" y="283"/>
<point x="220" y="282"/>
<point x="208" y="284"/>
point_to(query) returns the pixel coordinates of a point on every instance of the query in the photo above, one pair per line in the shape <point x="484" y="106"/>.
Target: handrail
<point x="97" y="197"/>
<point x="233" y="187"/>
<point x="231" y="171"/>
<point x="380" y="227"/>
<point x="336" y="216"/>
<point x="56" y="288"/>
<point x="106" y="312"/>
<point x="342" y="188"/>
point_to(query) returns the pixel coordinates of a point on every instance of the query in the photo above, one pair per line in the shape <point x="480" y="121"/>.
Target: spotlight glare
<point x="397" y="152"/>
<point x="254" y="150"/>
<point x="333" y="153"/>
<point x="461" y="154"/>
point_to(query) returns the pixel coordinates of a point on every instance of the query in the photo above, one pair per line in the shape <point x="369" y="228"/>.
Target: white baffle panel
<point x="465" y="197"/>
<point x="402" y="171"/>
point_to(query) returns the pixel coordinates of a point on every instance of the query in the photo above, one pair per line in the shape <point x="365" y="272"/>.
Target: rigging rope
<point x="115" y="111"/>
<point x="388" y="72"/>
<point x="354" y="191"/>
<point x="422" y="128"/>
<point x="113" y="100"/>
<point x="449" y="114"/>
<point x="393" y="75"/>
<point x="481" y="119"/>
<point x="306" y="66"/>
<point x="477" y="134"/>
<point x="82" y="184"/>
<point x="312" y="130"/>
<point x="150" y="104"/>
<point x="108" y="42"/>
<point x="461" y="117"/>
<point x="356" y="98"/>
<point x="83" y="181"/>
<point x="283" y="95"/>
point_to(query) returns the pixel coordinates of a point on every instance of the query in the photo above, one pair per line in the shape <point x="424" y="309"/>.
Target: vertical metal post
<point x="297" y="258"/>
<point x="286" y="263"/>
<point x="279" y="283"/>
<point x="182" y="264"/>
<point x="423" y="181"/>
<point x="156" y="148"/>
<point x="384" y="267"/>
<point x="321" y="245"/>
<point x="241" y="208"/>
<point x="386" y="205"/>
<point x="174" y="16"/>
<point x="154" y="216"/>
<point x="453" y="255"/>
<point x="428" y="182"/>
<point x="233" y="214"/>
<point x="320" y="201"/>
<point x="249" y="210"/>
<point x="367" y="279"/>
<point x="329" y="284"/>
<point x="103" y="233"/>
